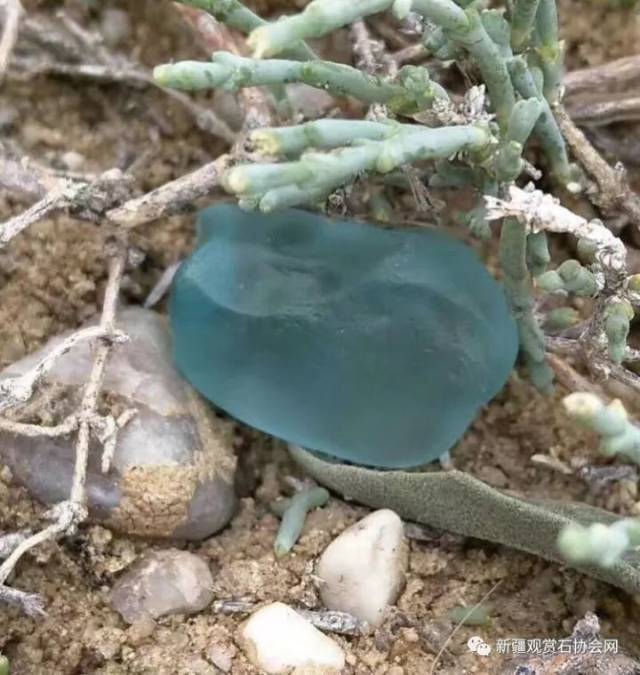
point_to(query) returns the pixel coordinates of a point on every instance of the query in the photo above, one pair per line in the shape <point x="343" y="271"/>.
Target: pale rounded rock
<point x="363" y="570"/>
<point x="277" y="639"/>
<point x="173" y="468"/>
<point x="163" y="582"/>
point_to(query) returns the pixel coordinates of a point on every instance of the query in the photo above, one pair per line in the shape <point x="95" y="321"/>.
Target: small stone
<point x="493" y="476"/>
<point x="309" y="102"/>
<point x="362" y="571"/>
<point x="115" y="26"/>
<point x="141" y="630"/>
<point x="163" y="582"/>
<point x="8" y="117"/>
<point x="222" y="655"/>
<point x="72" y="160"/>
<point x="277" y="639"/>
<point x="173" y="467"/>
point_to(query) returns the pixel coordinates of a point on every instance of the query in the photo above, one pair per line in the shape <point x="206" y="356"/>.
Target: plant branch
<point x="236" y="15"/>
<point x="67" y="515"/>
<point x="614" y="191"/>
<point x="311" y="178"/>
<point x="12" y="13"/>
<point x="318" y="18"/>
<point x="413" y="90"/>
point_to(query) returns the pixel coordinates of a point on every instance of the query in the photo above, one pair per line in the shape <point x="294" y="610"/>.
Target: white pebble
<point x="163" y="582"/>
<point x="73" y="160"/>
<point x="277" y="639"/>
<point x="363" y="570"/>
<point x="115" y="26"/>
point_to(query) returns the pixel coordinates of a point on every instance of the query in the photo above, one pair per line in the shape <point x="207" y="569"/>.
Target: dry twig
<point x="67" y="515"/>
<point x="612" y="109"/>
<point x="609" y="76"/>
<point x="12" y="13"/>
<point x="177" y="196"/>
<point x="614" y="191"/>
<point x="8" y="542"/>
<point x="88" y="201"/>
<point x="76" y="52"/>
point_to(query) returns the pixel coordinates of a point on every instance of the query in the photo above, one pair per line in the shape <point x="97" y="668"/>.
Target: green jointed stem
<point x="449" y="175"/>
<point x="618" y="317"/>
<point x="546" y="127"/>
<point x="517" y="282"/>
<point x="412" y="91"/>
<point x="294" y="516"/>
<point x="444" y="13"/>
<point x="470" y="33"/>
<point x="549" y="49"/>
<point x="538" y="256"/>
<point x="318" y="18"/>
<point x="570" y="277"/>
<point x="321" y="134"/>
<point x="234" y="14"/>
<point x="522" y="22"/>
<point x="617" y="434"/>
<point x="492" y="65"/>
<point x="498" y="29"/>
<point x="523" y="119"/>
<point x="599" y="544"/>
<point x="561" y="318"/>
<point x="429" y="144"/>
<point x="508" y="163"/>
<point x="311" y="178"/>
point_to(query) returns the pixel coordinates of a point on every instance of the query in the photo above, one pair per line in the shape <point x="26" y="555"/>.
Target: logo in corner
<point x="478" y="646"/>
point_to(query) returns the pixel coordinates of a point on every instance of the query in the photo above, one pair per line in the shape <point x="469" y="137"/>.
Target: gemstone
<point x="376" y="346"/>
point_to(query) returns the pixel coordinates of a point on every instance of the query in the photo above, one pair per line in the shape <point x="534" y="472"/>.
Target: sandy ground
<point x="51" y="278"/>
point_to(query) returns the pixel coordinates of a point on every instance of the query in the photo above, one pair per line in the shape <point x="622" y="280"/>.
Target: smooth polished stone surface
<point x="375" y="346"/>
<point x="174" y="462"/>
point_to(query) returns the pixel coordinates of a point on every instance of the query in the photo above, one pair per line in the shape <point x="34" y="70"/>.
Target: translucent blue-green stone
<point x="375" y="346"/>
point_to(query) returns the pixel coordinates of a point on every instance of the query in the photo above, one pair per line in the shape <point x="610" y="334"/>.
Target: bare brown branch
<point x="178" y="196"/>
<point x="611" y="109"/>
<point x="614" y="191"/>
<point x="12" y="11"/>
<point x="81" y="53"/>
<point x="615" y="74"/>
<point x="88" y="201"/>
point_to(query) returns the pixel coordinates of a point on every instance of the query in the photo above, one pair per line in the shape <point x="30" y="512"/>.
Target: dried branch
<point x="90" y="399"/>
<point x="9" y="542"/>
<point x="87" y="200"/>
<point x="18" y="390"/>
<point x="67" y="515"/>
<point x="542" y="212"/>
<point x="23" y="178"/>
<point x="55" y="200"/>
<point x="614" y="191"/>
<point x="367" y="50"/>
<point x="69" y="425"/>
<point x="613" y="75"/>
<point x="177" y="196"/>
<point x="102" y="200"/>
<point x="12" y="13"/>
<point x="83" y="55"/>
<point x="216" y="36"/>
<point x="607" y="111"/>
